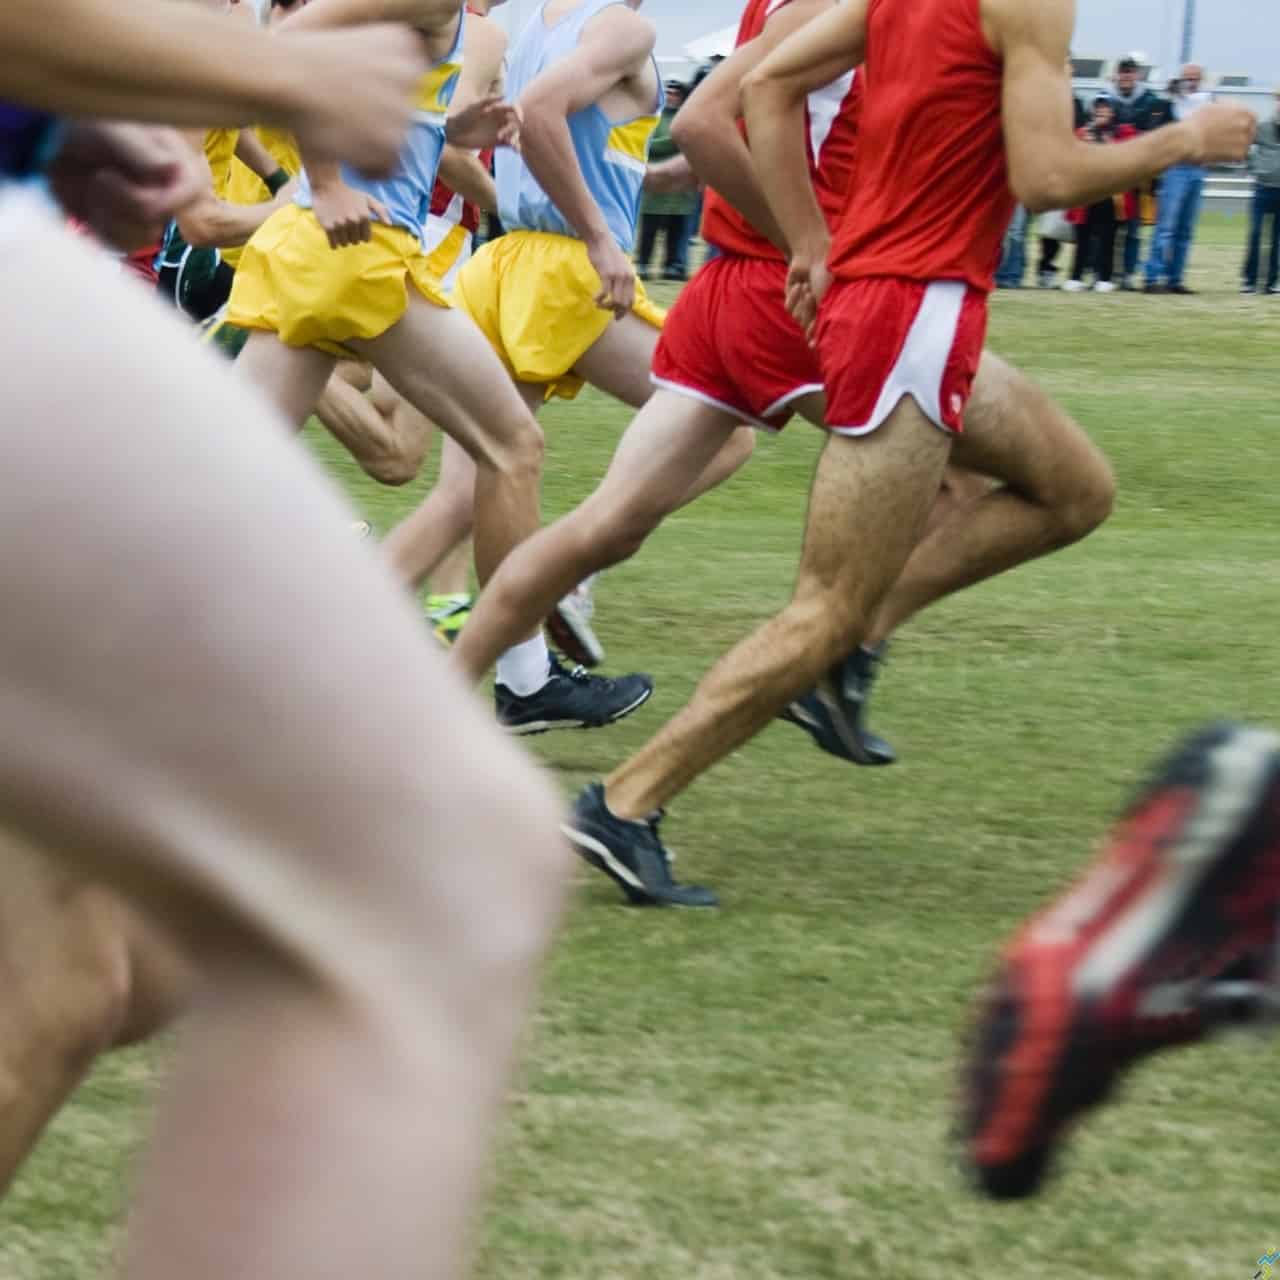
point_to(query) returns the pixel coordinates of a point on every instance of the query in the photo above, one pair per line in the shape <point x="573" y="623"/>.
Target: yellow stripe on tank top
<point x="435" y="89"/>
<point x="629" y="143"/>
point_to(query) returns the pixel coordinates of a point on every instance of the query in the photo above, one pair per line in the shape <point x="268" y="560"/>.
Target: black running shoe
<point x="1171" y="933"/>
<point x="630" y="853"/>
<point x="833" y="713"/>
<point x="572" y="699"/>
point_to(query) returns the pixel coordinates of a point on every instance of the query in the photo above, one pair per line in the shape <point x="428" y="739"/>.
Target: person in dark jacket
<point x="1096" y="225"/>
<point x="1264" y="164"/>
<point x="666" y="213"/>
<point x="1141" y="108"/>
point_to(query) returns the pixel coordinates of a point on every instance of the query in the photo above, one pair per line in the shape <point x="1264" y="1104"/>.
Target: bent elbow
<point x="198" y="230"/>
<point x="755" y="85"/>
<point x="1042" y="191"/>
<point x="690" y="133"/>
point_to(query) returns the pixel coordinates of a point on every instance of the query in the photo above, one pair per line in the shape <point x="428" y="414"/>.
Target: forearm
<point x="462" y="172"/>
<point x="216" y="224"/>
<point x="721" y="159"/>
<point x="252" y="153"/>
<point x="325" y="15"/>
<point x="548" y="151"/>
<point x="1085" y="174"/>
<point x="780" y="155"/>
<point x="148" y="60"/>
<point x="674" y="175"/>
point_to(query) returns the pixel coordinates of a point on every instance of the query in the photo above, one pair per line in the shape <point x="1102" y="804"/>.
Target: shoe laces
<point x="579" y="674"/>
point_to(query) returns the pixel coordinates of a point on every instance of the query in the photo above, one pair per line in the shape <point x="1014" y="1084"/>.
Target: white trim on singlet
<point x="439" y="226"/>
<point x="824" y="110"/>
<point x="922" y="364"/>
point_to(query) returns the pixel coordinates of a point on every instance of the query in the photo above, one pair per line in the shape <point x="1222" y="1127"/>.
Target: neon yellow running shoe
<point x="448" y="615"/>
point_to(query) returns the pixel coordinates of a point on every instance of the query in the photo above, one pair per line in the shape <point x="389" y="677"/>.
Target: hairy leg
<point x="297" y="829"/>
<point x="867" y="507"/>
<point x="671" y="442"/>
<point x="1055" y="487"/>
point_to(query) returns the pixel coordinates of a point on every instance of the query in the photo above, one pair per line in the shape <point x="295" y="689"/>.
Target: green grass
<point x="764" y="1091"/>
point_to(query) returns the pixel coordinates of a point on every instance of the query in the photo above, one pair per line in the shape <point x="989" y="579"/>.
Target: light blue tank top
<point x="407" y="193"/>
<point x="611" y="153"/>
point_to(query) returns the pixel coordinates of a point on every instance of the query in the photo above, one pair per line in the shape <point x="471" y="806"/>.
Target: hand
<point x="367" y="128"/>
<point x="617" y="276"/>
<point x="487" y="122"/>
<point x="1221" y="133"/>
<point x="345" y="214"/>
<point x="807" y="283"/>
<point x="125" y="181"/>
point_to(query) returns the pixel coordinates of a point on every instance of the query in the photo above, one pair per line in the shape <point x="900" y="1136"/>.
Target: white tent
<point x="717" y="44"/>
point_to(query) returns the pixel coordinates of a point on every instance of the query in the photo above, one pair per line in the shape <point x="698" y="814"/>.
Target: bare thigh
<point x="1016" y="433"/>
<point x="442" y="364"/>
<point x="211" y="745"/>
<point x="867" y="509"/>
<point x="619" y="362"/>
<point x="290" y="378"/>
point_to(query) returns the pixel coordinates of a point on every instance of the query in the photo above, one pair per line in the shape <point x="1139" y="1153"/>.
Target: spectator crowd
<point x="1107" y="238"/>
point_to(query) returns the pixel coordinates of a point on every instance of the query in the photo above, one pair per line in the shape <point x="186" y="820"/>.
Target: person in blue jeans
<point x="1181" y="195"/>
<point x="1135" y="104"/>
<point x="1264" y="164"/>
<point x="1013" y="257"/>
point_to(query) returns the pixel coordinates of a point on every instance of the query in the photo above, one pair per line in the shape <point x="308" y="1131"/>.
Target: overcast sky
<point x="1231" y="35"/>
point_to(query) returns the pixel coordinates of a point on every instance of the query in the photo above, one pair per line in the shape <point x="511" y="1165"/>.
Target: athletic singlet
<point x="933" y="198"/>
<point x="27" y="141"/>
<point x="407" y="193"/>
<point x="611" y="154"/>
<point x="831" y="126"/>
<point x="449" y="207"/>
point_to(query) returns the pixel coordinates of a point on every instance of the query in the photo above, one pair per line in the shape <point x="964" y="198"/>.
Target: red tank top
<point x="446" y="203"/>
<point x="933" y="198"/>
<point x="831" y="124"/>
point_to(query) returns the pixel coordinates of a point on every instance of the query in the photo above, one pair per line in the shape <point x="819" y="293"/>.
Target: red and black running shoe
<point x="1185" y="894"/>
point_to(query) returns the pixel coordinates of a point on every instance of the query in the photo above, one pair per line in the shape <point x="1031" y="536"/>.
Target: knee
<point x="96" y="981"/>
<point x="820" y="627"/>
<point x="396" y="465"/>
<point x="609" y="531"/>
<point x="518" y="455"/>
<point x="1087" y="503"/>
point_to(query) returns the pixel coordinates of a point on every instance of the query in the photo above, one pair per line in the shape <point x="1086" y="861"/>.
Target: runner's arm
<point x="147" y="60"/>
<point x="1049" y="167"/>
<point x="613" y="46"/>
<point x="671" y="175"/>
<point x="460" y="170"/>
<point x="210" y="223"/>
<point x="251" y="153"/>
<point x="324" y="15"/>
<point x="706" y="130"/>
<point x="773" y="101"/>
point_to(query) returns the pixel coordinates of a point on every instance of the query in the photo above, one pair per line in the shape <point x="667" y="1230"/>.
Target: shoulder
<point x="484" y="36"/>
<point x="621" y="22"/>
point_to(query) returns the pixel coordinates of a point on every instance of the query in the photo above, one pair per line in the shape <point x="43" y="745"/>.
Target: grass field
<point x="763" y="1091"/>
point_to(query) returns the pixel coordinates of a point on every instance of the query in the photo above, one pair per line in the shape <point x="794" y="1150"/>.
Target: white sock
<point x="525" y="668"/>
